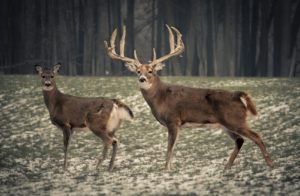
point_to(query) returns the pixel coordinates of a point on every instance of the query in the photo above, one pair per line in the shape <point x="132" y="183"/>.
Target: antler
<point x="174" y="51"/>
<point x="133" y="64"/>
<point x="112" y="52"/>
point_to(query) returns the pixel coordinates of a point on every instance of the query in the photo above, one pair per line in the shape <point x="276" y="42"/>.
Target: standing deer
<point x="102" y="116"/>
<point x="176" y="106"/>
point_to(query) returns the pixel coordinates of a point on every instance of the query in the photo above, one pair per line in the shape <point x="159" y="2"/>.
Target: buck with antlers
<point x="102" y="116"/>
<point x="176" y="106"/>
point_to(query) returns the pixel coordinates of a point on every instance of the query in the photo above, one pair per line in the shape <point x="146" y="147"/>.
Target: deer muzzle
<point x="142" y="79"/>
<point x="47" y="83"/>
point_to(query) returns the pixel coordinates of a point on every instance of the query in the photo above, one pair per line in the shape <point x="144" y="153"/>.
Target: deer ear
<point x="158" y="67"/>
<point x="56" y="67"/>
<point x="131" y="67"/>
<point x="39" y="69"/>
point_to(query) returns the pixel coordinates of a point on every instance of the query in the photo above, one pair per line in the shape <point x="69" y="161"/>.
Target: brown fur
<point x="175" y="106"/>
<point x="250" y="104"/>
<point x="69" y="112"/>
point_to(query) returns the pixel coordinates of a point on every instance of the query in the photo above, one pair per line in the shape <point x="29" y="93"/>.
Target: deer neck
<point x="153" y="94"/>
<point x="51" y="97"/>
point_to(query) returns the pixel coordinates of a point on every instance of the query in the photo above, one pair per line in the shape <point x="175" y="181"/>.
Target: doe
<point x="102" y="116"/>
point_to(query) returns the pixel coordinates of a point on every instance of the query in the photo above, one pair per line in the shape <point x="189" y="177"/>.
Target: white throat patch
<point x="45" y="88"/>
<point x="145" y="85"/>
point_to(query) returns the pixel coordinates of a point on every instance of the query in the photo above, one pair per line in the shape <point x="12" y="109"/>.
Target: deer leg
<point x="172" y="137"/>
<point x="258" y="141"/>
<point x="238" y="144"/>
<point x="67" y="135"/>
<point x="113" y="155"/>
<point x="104" y="154"/>
<point x="108" y="139"/>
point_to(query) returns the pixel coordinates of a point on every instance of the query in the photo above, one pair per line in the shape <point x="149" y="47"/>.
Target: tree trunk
<point x="281" y="38"/>
<point x="262" y="62"/>
<point x="130" y="44"/>
<point x="245" y="45"/>
<point x="210" y="40"/>
<point x="160" y="30"/>
<point x="88" y="38"/>
<point x="294" y="32"/>
<point x="253" y="39"/>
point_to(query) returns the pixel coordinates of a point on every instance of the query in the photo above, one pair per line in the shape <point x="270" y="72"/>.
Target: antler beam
<point x="112" y="52"/>
<point x="174" y="51"/>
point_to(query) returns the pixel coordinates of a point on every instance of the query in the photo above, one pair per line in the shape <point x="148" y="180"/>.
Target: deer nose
<point x="47" y="83"/>
<point x="142" y="79"/>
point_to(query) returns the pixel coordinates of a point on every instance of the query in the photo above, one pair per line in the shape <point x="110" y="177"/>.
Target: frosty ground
<point x="31" y="155"/>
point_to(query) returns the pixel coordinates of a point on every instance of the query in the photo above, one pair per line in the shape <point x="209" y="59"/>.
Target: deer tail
<point x="248" y="103"/>
<point x="124" y="111"/>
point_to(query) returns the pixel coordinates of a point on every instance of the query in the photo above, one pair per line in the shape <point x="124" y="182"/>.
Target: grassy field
<point x="31" y="155"/>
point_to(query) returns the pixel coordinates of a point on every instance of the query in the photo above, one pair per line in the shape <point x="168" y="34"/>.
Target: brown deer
<point x="176" y="106"/>
<point x="102" y="116"/>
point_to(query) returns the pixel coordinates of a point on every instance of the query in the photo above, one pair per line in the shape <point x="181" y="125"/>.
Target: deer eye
<point x="52" y="76"/>
<point x="138" y="71"/>
<point x="43" y="76"/>
<point x="150" y="71"/>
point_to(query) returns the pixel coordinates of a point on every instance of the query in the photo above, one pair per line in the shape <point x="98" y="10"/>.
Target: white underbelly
<point x="200" y="125"/>
<point x="77" y="129"/>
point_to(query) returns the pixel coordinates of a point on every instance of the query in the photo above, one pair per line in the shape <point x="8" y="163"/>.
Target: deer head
<point x="146" y="72"/>
<point x="48" y="82"/>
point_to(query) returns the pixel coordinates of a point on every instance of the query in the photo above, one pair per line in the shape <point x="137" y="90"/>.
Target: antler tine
<point x="171" y="38"/>
<point x="174" y="50"/>
<point x="136" y="58"/>
<point x="112" y="40"/>
<point x="112" y="52"/>
<point x="154" y="55"/>
<point x="109" y="50"/>
<point x="122" y="42"/>
<point x="179" y="40"/>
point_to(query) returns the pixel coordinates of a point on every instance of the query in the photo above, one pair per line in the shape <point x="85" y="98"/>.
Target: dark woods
<point x="222" y="37"/>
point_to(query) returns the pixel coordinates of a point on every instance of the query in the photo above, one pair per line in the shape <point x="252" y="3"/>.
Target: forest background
<point x="222" y="37"/>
